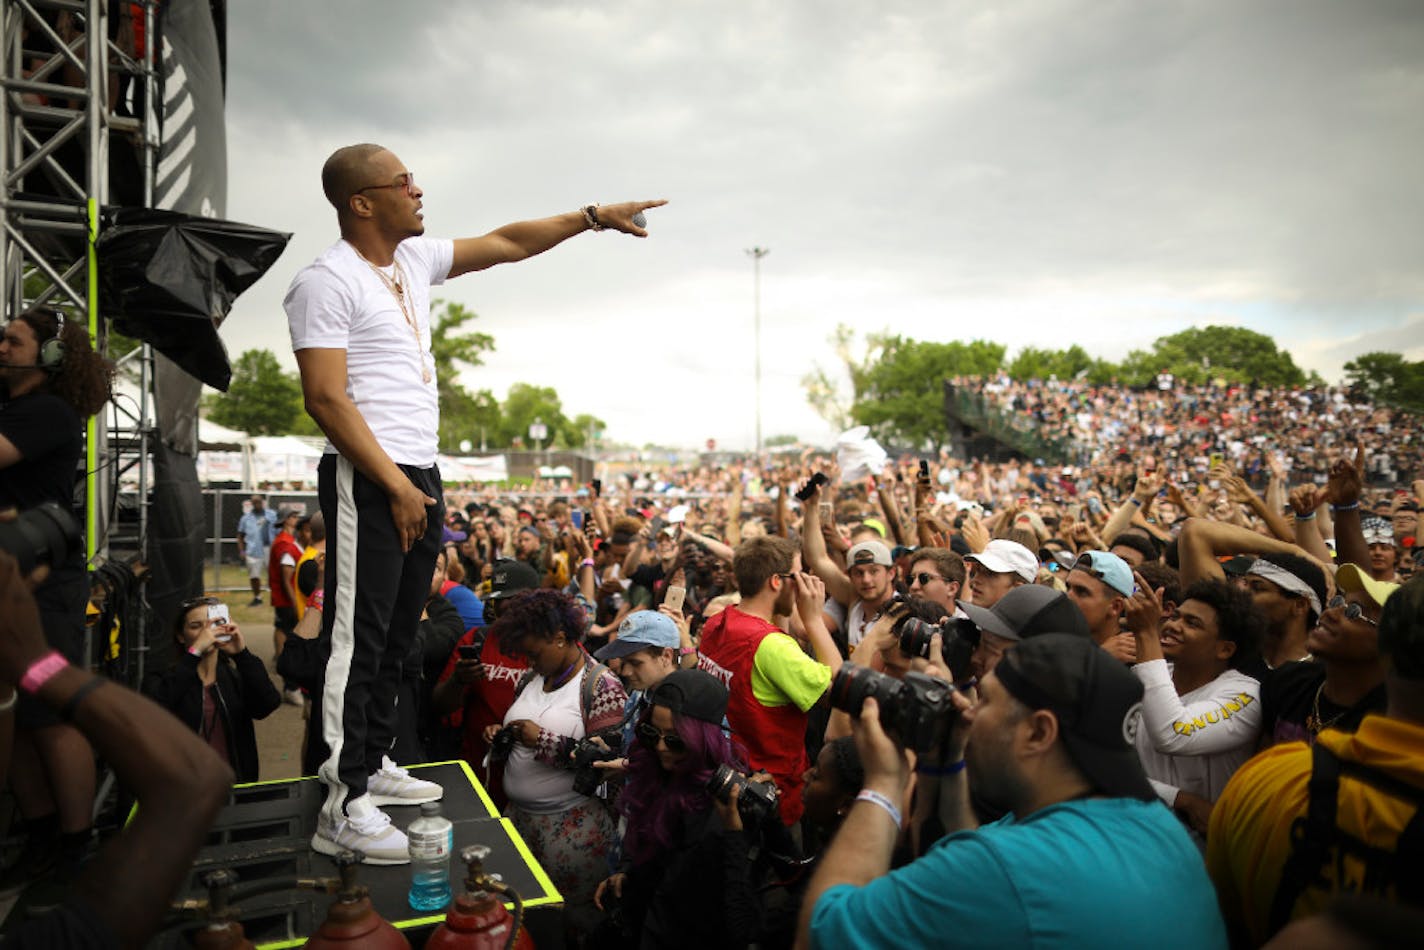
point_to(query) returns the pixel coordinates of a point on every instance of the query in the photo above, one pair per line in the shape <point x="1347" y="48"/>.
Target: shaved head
<point x="348" y="170"/>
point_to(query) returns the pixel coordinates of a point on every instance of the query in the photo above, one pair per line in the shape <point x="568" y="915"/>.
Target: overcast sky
<point x="1030" y="172"/>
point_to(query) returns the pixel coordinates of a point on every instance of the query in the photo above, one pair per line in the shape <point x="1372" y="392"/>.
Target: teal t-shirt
<point x="1104" y="872"/>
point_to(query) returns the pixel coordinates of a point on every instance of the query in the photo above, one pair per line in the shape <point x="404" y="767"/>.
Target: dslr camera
<point x="44" y="534"/>
<point x="918" y="708"/>
<point x="502" y="744"/>
<point x="585" y="752"/>
<point x="960" y="640"/>
<point x="758" y="801"/>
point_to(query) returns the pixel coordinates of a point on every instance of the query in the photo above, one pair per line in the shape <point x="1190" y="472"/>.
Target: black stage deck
<point x="265" y="833"/>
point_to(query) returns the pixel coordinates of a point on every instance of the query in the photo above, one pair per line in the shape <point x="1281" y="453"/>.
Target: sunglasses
<point x="924" y="578"/>
<point x="405" y="182"/>
<point x="1351" y="611"/>
<point x="649" y="735"/>
<point x="188" y="605"/>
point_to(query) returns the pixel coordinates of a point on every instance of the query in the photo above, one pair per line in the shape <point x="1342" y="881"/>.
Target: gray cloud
<point x="947" y="170"/>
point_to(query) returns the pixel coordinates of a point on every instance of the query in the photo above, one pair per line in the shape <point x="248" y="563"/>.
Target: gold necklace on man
<point x="396" y="286"/>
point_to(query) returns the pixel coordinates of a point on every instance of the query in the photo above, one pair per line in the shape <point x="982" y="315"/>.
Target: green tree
<point x="523" y="405"/>
<point x="1031" y="362"/>
<point x="1202" y="354"/>
<point x="580" y="428"/>
<point x="900" y="392"/>
<point x="262" y="400"/>
<point x="824" y="389"/>
<point x="472" y="416"/>
<point x="1388" y="378"/>
<point x="462" y="413"/>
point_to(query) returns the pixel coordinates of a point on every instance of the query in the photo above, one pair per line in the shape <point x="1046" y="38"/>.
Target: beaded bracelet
<point x="1350" y="507"/>
<point x="941" y="770"/>
<point x="1309" y="517"/>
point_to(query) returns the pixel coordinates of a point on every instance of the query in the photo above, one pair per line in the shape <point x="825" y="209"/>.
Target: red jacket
<point x="774" y="736"/>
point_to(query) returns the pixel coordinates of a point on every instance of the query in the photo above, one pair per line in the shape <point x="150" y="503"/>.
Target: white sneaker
<point x="292" y="697"/>
<point x="393" y="785"/>
<point x="365" y="829"/>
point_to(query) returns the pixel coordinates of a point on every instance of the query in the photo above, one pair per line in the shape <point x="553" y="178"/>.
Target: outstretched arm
<point x="524" y="239"/>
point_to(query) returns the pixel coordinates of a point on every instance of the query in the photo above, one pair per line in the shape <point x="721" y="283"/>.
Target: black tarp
<point x="168" y="279"/>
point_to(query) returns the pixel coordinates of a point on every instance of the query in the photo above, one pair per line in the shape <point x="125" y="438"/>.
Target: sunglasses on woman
<point x="649" y="735"/>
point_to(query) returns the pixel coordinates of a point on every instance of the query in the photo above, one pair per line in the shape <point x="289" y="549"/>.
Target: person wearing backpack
<point x="566" y="696"/>
<point x="1299" y="825"/>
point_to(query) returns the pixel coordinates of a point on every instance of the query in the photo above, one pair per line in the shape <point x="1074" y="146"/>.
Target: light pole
<point x="756" y="254"/>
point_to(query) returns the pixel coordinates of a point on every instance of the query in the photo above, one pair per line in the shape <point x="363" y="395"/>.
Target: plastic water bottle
<point x="432" y="838"/>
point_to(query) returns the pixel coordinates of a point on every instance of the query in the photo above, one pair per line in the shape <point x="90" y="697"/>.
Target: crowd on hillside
<point x="1185" y="425"/>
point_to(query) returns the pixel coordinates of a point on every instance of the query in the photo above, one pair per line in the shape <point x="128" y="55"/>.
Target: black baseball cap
<point x="1030" y="610"/>
<point x="692" y="693"/>
<point x="510" y="576"/>
<point x="1097" y="700"/>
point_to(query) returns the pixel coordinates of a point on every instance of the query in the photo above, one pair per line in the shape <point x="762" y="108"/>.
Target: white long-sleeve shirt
<point x="1195" y="742"/>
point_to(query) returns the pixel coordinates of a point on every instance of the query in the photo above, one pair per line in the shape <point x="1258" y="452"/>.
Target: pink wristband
<point x="42" y="671"/>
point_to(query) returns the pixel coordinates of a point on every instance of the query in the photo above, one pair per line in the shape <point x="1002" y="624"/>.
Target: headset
<point x="51" y="351"/>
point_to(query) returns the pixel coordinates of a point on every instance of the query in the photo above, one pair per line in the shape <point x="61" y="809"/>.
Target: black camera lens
<point x="758" y="801"/>
<point x="915" y="635"/>
<point x="960" y="637"/>
<point x="853" y="685"/>
<point x="45" y="534"/>
<point x="918" y="709"/>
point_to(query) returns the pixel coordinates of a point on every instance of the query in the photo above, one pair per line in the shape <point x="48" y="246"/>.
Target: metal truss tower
<point x="69" y="94"/>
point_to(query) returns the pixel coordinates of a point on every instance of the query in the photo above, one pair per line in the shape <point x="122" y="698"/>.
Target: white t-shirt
<point x="535" y="787"/>
<point x="338" y="303"/>
<point x="1195" y="742"/>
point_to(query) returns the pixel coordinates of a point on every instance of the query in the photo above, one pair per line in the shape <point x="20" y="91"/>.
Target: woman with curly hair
<point x="686" y="855"/>
<point x="51" y="380"/>
<point x="565" y="697"/>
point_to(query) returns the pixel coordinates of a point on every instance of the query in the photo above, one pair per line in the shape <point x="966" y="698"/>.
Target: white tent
<point x="468" y="468"/>
<point x="282" y="458"/>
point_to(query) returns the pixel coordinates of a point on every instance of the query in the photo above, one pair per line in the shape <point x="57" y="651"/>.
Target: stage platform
<point x="265" y="833"/>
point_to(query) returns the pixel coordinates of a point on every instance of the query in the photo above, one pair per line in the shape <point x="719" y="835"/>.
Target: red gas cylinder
<point x="351" y="921"/>
<point x="477" y="922"/>
<point x="223" y="935"/>
<point x="352" y="924"/>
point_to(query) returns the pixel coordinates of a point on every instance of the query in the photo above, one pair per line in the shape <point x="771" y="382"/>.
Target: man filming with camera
<point x="1085" y="855"/>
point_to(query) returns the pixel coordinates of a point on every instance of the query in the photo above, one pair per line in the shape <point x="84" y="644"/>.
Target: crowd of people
<point x="1251" y="427"/>
<point x="1155" y="682"/>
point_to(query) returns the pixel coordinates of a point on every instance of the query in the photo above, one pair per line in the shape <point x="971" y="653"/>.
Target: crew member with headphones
<point x="51" y="380"/>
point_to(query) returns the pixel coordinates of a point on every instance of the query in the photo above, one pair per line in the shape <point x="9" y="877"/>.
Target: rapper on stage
<point x="359" y="317"/>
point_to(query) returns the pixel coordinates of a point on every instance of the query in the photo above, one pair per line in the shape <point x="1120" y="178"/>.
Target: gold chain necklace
<point x="1313" y="724"/>
<point x="396" y="287"/>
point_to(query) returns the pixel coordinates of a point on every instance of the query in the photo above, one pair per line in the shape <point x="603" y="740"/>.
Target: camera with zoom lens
<point x="758" y="801"/>
<point x="585" y="753"/>
<point x="960" y="640"/>
<point x="918" y="709"/>
<point x="45" y="534"/>
<point x="502" y="744"/>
